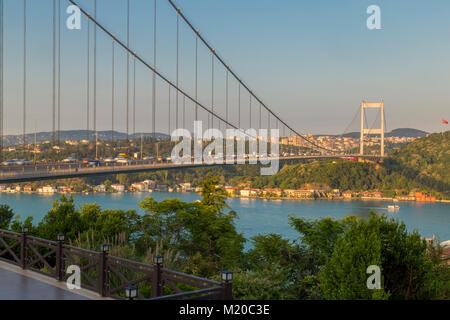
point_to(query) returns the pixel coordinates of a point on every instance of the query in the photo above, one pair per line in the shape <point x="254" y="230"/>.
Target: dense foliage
<point x="419" y="166"/>
<point x="327" y="261"/>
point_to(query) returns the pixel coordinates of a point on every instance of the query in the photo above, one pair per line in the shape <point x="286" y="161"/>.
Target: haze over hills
<point x="400" y="132"/>
<point x="75" y="135"/>
<point x="106" y="135"/>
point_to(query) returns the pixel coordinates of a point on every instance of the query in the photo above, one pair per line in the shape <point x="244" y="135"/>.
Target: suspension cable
<point x="128" y="70"/>
<point x="95" y="76"/>
<point x="184" y="112"/>
<point x="59" y="72"/>
<point x="212" y="89"/>
<point x="24" y="70"/>
<point x="154" y="75"/>
<point x="260" y="116"/>
<point x="239" y="80"/>
<point x="226" y="97"/>
<point x="54" y="76"/>
<point x="196" y="76"/>
<point x="112" y="93"/>
<point x="169" y="109"/>
<point x="177" y="69"/>
<point x="147" y="65"/>
<point x="250" y="111"/>
<point x="88" y="87"/>
<point x="134" y="97"/>
<point x="1" y="76"/>
<point x="239" y="104"/>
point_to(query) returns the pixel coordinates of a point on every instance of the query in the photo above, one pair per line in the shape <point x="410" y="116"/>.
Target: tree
<point x="407" y="272"/>
<point x="62" y="218"/>
<point x="344" y="275"/>
<point x="320" y="235"/>
<point x="213" y="194"/>
<point x="6" y="215"/>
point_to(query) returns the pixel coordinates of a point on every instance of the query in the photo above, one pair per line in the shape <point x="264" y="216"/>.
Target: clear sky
<point x="312" y="61"/>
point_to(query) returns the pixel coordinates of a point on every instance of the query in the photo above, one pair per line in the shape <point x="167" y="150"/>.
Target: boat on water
<point x="393" y="207"/>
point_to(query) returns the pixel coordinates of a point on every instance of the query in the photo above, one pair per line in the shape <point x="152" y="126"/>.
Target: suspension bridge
<point x="115" y="82"/>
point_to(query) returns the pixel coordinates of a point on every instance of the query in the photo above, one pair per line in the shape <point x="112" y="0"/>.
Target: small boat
<point x="393" y="207"/>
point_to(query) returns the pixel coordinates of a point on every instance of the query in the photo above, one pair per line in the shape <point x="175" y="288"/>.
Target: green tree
<point x="407" y="272"/>
<point x="6" y="215"/>
<point x="213" y="194"/>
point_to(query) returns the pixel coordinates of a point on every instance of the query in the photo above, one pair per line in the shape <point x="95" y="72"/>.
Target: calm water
<point x="257" y="216"/>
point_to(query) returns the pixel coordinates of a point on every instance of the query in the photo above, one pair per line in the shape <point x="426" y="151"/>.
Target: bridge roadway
<point x="26" y="173"/>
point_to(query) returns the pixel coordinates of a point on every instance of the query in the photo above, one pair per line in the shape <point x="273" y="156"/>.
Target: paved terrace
<point x="18" y="284"/>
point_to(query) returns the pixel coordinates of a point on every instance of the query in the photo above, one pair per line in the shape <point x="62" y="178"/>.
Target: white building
<point x="140" y="186"/>
<point x="48" y="189"/>
<point x="118" y="187"/>
<point x="100" y="188"/>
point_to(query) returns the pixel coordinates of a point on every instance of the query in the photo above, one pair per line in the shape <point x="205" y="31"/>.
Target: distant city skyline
<point x="310" y="61"/>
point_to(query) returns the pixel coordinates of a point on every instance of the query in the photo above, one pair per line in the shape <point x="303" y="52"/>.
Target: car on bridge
<point x="123" y="155"/>
<point x="70" y="160"/>
<point x="94" y="163"/>
<point x="123" y="161"/>
<point x="18" y="162"/>
<point x="148" y="158"/>
<point x="8" y="163"/>
<point x="109" y="160"/>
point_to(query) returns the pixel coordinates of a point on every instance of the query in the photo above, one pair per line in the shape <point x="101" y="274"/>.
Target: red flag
<point x="444" y="121"/>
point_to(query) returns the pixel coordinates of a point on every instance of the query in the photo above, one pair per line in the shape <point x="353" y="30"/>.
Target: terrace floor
<point x="18" y="284"/>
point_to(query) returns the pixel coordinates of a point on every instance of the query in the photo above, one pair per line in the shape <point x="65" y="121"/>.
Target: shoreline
<point x="385" y="199"/>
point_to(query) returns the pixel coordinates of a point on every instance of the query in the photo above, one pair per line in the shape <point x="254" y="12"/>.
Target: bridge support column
<point x="372" y="105"/>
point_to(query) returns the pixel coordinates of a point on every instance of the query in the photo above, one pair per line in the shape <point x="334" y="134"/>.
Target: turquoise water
<point x="257" y="216"/>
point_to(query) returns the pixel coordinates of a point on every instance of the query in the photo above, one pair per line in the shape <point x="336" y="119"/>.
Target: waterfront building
<point x="47" y="189"/>
<point x="424" y="197"/>
<point x="347" y="194"/>
<point x="247" y="192"/>
<point x="118" y="187"/>
<point x="140" y="186"/>
<point x="100" y="188"/>
<point x="232" y="191"/>
<point x="272" y="192"/>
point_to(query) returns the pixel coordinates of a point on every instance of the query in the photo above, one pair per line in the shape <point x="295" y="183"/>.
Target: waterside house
<point x="248" y="192"/>
<point x="118" y="187"/>
<point x="424" y="197"/>
<point x="232" y="191"/>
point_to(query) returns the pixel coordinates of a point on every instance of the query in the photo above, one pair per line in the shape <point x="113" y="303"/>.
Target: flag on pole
<point x="444" y="121"/>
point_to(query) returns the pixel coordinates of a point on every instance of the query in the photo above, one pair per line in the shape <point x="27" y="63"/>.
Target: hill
<point x="400" y="132"/>
<point x="422" y="165"/>
<point x="426" y="159"/>
<point x="74" y="135"/>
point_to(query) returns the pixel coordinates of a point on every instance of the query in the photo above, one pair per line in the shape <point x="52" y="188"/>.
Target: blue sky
<point x="311" y="61"/>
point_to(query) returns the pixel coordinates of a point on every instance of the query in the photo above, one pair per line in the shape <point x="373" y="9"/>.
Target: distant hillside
<point x="426" y="159"/>
<point x="422" y="165"/>
<point x="74" y="135"/>
<point x="400" y="132"/>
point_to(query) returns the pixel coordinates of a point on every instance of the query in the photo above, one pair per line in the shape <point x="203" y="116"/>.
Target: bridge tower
<point x="380" y="131"/>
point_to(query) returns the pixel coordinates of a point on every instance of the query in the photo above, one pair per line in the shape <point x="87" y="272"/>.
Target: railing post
<point x="227" y="286"/>
<point x="103" y="271"/>
<point x="157" y="286"/>
<point x="23" y="248"/>
<point x="60" y="258"/>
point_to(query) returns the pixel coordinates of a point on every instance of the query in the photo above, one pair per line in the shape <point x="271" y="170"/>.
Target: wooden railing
<point x="107" y="275"/>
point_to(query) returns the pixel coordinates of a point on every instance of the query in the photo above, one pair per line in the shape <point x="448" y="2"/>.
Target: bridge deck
<point x="18" y="284"/>
<point x="62" y="171"/>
